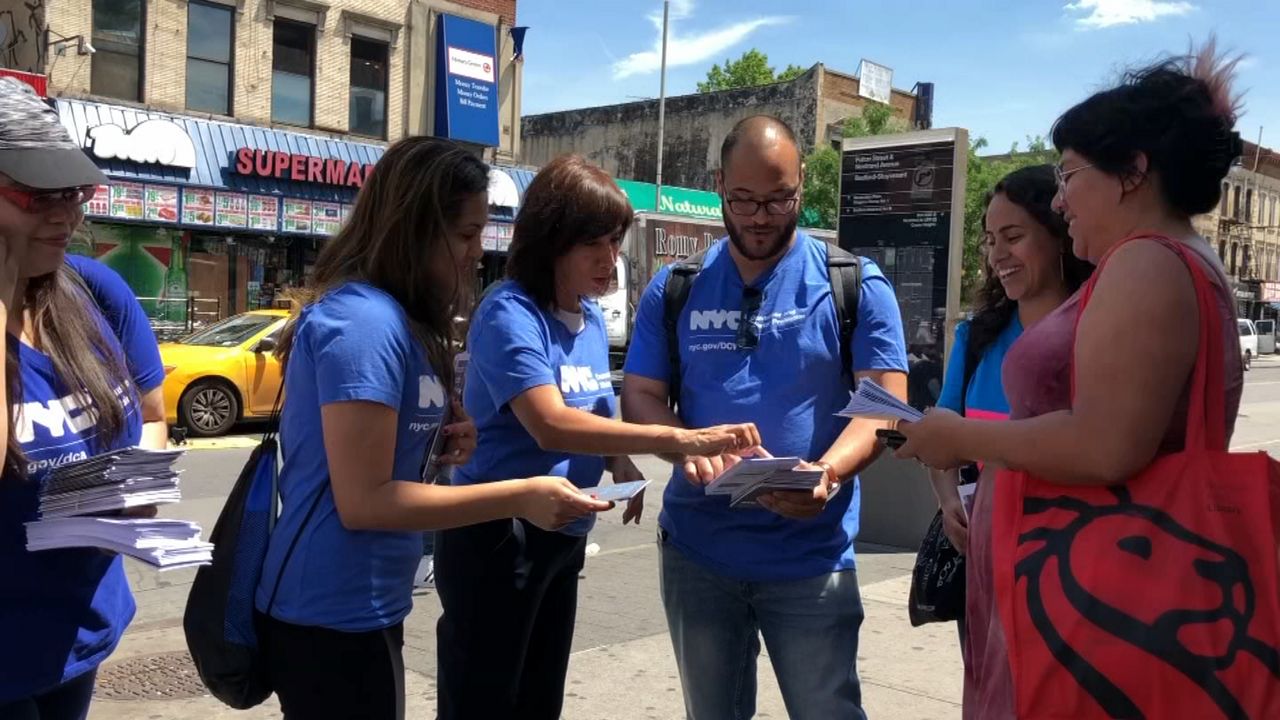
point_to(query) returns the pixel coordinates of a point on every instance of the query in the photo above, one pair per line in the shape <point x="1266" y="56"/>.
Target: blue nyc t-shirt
<point x="516" y="345"/>
<point x="790" y="386"/>
<point x="62" y="612"/>
<point x="984" y="399"/>
<point x="354" y="344"/>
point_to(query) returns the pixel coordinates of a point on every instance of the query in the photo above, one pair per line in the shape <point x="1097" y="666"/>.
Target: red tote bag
<point x="1156" y="598"/>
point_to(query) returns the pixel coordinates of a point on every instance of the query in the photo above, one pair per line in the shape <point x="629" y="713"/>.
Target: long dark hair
<point x="570" y="201"/>
<point x="89" y="367"/>
<point x="1032" y="189"/>
<point x="397" y="230"/>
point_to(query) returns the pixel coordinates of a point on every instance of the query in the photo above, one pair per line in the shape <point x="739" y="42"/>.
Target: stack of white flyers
<point x="752" y="477"/>
<point x="166" y="544"/>
<point x="80" y="501"/>
<point x="872" y="401"/>
<point x="117" y="480"/>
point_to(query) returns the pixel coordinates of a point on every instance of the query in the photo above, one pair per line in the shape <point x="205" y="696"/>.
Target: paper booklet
<point x="745" y="482"/>
<point x="872" y="401"/>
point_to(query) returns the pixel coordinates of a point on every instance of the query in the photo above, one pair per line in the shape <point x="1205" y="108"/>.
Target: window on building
<point x="293" y="73"/>
<point x="1222" y="250"/>
<point x="1248" y="205"/>
<point x="1222" y="206"/>
<point x="1235" y="255"/>
<point x="209" y="43"/>
<point x="116" y="69"/>
<point x="369" y="87"/>
<point x="1236" y="206"/>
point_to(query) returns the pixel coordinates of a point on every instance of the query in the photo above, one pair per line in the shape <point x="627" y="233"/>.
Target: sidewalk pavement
<point x="622" y="667"/>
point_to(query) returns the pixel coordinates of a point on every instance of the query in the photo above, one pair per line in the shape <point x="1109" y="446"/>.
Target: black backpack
<point x="844" y="270"/>
<point x="219" y="621"/>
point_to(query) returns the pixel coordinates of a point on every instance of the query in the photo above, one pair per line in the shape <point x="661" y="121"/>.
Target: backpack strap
<point x="971" y="361"/>
<point x="674" y="297"/>
<point x="844" y="270"/>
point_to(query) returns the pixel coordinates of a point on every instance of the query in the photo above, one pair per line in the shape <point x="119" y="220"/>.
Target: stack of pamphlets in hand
<point x="872" y="401"/>
<point x="80" y="502"/>
<point x="753" y="477"/>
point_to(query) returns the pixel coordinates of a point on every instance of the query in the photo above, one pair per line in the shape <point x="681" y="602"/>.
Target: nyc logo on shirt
<point x="714" y="319"/>
<point x="431" y="403"/>
<point x="582" y="382"/>
<point x="717" y="329"/>
<point x="64" y="418"/>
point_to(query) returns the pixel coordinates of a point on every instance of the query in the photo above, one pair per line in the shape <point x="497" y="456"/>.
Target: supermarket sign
<point x="277" y="165"/>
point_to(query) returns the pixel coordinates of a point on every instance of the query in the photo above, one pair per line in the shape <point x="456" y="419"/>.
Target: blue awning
<point x="216" y="144"/>
<point x="519" y="175"/>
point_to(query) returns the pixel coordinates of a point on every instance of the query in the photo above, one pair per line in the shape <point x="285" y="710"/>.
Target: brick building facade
<point x="1245" y="230"/>
<point x="623" y="138"/>
<point x="235" y="134"/>
<point x="341" y="67"/>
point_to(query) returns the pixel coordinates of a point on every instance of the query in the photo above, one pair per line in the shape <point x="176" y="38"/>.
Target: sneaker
<point x="425" y="577"/>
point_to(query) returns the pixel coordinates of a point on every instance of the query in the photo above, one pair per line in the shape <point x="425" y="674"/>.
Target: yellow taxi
<point x="224" y="373"/>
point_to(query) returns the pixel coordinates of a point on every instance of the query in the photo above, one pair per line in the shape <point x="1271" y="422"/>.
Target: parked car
<point x="1248" y="341"/>
<point x="1266" y="336"/>
<point x="224" y="373"/>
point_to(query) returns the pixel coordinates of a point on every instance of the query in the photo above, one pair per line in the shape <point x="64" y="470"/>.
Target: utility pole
<point x="662" y="105"/>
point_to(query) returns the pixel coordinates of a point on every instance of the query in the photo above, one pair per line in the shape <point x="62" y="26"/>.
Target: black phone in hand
<point x="892" y="438"/>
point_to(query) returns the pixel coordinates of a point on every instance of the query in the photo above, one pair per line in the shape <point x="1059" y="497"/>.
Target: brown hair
<point x="90" y="368"/>
<point x="570" y="201"/>
<point x="397" y="230"/>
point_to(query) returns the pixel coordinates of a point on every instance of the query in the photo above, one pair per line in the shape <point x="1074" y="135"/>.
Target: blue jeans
<point x="810" y="627"/>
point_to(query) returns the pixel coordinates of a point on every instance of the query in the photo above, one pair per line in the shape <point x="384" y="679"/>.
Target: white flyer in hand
<point x="749" y="471"/>
<point x="622" y="492"/>
<point x="968" y="493"/>
<point x="872" y="401"/>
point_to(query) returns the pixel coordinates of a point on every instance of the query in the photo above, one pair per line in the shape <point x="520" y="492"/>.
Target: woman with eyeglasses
<point x="538" y="387"/>
<point x="82" y="377"/>
<point x="1138" y="162"/>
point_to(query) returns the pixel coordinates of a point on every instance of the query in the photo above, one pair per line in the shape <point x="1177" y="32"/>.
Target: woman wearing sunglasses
<point x="82" y="377"/>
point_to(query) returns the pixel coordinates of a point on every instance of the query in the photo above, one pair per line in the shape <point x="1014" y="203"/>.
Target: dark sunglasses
<point x="39" y="201"/>
<point x="748" y="333"/>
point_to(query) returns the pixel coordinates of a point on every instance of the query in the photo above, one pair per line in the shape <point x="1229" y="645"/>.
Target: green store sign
<point x="675" y="200"/>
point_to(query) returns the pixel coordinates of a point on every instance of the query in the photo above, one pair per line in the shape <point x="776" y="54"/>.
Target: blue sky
<point x="1004" y="70"/>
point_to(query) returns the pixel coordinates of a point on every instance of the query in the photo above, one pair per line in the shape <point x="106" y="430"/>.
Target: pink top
<point x="1037" y="381"/>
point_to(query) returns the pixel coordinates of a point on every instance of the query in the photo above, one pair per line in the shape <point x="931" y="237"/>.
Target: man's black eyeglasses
<point x="785" y="206"/>
<point x="748" y="333"/>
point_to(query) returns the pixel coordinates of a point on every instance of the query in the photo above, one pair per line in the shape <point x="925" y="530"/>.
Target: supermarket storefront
<point x="205" y="219"/>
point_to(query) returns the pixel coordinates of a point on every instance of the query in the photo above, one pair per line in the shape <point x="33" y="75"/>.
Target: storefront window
<point x="293" y="69"/>
<point x="116" y="69"/>
<point x="368" y="87"/>
<point x="209" y="43"/>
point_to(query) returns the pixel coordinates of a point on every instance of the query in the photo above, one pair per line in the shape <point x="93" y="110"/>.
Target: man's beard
<point x="772" y="251"/>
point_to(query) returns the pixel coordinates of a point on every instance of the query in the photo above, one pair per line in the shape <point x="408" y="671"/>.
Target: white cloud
<point x="688" y="49"/>
<point x="1110" y="13"/>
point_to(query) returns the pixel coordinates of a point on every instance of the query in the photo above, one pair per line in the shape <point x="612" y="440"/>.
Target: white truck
<point x="1248" y="341"/>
